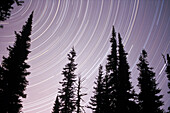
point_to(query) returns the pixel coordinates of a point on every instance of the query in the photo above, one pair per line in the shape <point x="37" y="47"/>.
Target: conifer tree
<point x="149" y="97"/>
<point x="14" y="71"/>
<point x="67" y="93"/>
<point x="111" y="73"/>
<point x="96" y="99"/>
<point x="124" y="90"/>
<point x="79" y="96"/>
<point x="56" y="108"/>
<point x="111" y="65"/>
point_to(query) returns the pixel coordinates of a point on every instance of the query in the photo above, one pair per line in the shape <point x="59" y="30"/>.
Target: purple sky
<point x="58" y="25"/>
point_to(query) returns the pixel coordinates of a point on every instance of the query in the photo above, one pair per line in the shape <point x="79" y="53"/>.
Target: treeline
<point x="113" y="91"/>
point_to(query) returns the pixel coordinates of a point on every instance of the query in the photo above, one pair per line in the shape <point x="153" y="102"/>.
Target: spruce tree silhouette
<point x="79" y="96"/>
<point x="149" y="98"/>
<point x="56" y="107"/>
<point x="14" y="71"/>
<point x="124" y="91"/>
<point x="111" y="76"/>
<point x="6" y="7"/>
<point x="67" y="93"/>
<point x="96" y="100"/>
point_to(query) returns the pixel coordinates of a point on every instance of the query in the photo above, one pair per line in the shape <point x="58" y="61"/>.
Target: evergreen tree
<point x="14" y="71"/>
<point x="124" y="90"/>
<point x="5" y="8"/>
<point x="96" y="99"/>
<point x="79" y="95"/>
<point x="111" y="74"/>
<point x="56" y="107"/>
<point x="67" y="93"/>
<point x="111" y="65"/>
<point x="149" y="99"/>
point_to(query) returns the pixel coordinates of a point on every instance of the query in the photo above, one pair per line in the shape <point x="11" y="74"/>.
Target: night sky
<point x="58" y="25"/>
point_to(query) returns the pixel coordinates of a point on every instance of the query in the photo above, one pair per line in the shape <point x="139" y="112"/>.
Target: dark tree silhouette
<point x="56" y="108"/>
<point x="124" y="90"/>
<point x="149" y="99"/>
<point x="6" y="7"/>
<point x="96" y="99"/>
<point x="79" y="95"/>
<point x="111" y="74"/>
<point x="67" y="93"/>
<point x="14" y="71"/>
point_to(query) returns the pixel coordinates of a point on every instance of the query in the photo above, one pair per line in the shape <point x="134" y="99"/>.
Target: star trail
<point x="58" y="25"/>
